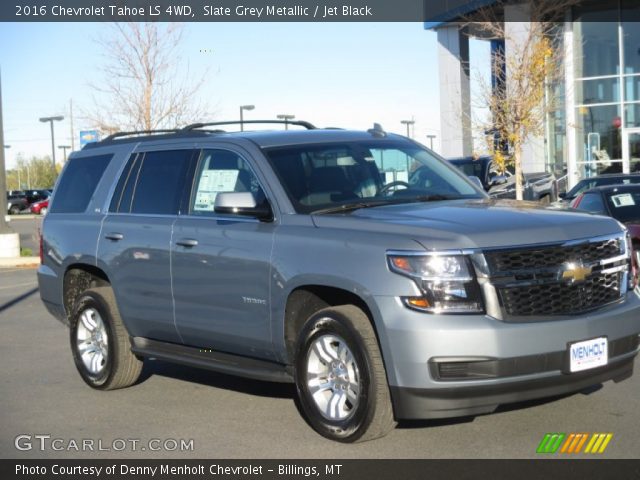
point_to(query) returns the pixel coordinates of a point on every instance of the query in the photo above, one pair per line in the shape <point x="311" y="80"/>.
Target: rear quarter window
<point x="78" y="183"/>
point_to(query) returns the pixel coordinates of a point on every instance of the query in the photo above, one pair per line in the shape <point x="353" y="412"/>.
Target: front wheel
<point x="340" y="376"/>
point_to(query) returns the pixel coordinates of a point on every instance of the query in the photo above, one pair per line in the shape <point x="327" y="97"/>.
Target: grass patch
<point x="26" y="252"/>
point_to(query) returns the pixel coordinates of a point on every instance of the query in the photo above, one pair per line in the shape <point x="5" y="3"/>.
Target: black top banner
<point x="431" y="12"/>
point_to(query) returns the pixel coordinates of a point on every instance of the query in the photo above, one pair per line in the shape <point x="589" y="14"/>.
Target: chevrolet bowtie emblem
<point x="573" y="272"/>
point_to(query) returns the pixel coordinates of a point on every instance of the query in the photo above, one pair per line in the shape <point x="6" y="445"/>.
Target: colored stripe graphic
<point x="550" y="443"/>
<point x="573" y="443"/>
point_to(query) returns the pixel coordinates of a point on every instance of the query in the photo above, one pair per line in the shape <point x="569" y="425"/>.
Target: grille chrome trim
<point x="536" y="293"/>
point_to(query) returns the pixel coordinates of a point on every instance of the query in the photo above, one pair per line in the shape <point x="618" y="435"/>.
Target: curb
<point x="25" y="262"/>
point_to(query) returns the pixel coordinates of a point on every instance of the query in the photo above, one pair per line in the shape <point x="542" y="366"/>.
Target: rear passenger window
<point x="80" y="179"/>
<point x="153" y="183"/>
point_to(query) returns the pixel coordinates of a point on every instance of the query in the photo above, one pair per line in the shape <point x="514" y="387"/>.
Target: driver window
<point x="222" y="171"/>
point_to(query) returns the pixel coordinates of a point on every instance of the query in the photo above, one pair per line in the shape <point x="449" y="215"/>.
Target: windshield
<point x="624" y="205"/>
<point x="331" y="175"/>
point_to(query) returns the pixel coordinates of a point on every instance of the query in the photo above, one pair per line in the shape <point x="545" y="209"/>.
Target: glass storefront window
<point x="630" y="15"/>
<point x="599" y="133"/>
<point x="601" y="90"/>
<point x="596" y="45"/>
<point x="632" y="115"/>
<point x="632" y="87"/>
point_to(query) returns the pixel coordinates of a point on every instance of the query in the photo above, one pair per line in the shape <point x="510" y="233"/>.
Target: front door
<point x="631" y="150"/>
<point x="221" y="264"/>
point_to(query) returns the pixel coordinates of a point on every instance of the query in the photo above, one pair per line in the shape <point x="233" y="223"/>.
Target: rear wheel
<point x="100" y="342"/>
<point x="14" y="209"/>
<point x="340" y="376"/>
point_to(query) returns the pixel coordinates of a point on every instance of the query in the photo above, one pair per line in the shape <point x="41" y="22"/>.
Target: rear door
<point x="221" y="263"/>
<point x="136" y="237"/>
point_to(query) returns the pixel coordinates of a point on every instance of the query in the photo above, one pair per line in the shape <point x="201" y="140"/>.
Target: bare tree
<point x="525" y="75"/>
<point x="144" y="85"/>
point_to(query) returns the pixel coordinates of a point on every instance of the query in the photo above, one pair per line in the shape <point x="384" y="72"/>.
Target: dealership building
<point x="595" y="127"/>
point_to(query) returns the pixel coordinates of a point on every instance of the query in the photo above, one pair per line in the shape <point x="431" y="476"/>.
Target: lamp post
<point x="431" y="137"/>
<point x="243" y="108"/>
<point x="286" y="118"/>
<point x="53" y="147"/>
<point x="64" y="151"/>
<point x="408" y="123"/>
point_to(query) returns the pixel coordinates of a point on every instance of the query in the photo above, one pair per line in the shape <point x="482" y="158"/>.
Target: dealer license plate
<point x="588" y="354"/>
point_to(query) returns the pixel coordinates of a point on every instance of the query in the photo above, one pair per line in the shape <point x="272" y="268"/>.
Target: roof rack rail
<point x="138" y="132"/>
<point x="300" y="123"/>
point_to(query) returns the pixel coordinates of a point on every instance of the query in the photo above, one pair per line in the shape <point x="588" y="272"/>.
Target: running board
<point x="212" y="360"/>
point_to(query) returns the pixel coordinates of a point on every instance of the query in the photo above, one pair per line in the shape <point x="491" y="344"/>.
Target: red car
<point x="41" y="207"/>
<point x="621" y="202"/>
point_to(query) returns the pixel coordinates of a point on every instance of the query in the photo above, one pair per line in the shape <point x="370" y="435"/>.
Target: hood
<point x="479" y="223"/>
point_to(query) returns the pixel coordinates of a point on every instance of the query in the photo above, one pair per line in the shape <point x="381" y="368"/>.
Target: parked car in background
<point x="537" y="186"/>
<point x="621" y="202"/>
<point x="16" y="204"/>
<point x="41" y="207"/>
<point x="598" y="181"/>
<point x="37" y="195"/>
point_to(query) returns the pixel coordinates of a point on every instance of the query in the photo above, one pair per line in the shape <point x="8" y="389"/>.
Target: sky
<point x="347" y="75"/>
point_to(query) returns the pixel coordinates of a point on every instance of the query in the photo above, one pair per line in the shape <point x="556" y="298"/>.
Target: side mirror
<point x="497" y="180"/>
<point x="475" y="180"/>
<point x="242" y="203"/>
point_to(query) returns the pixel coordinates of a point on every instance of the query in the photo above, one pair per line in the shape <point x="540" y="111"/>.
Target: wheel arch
<point x="79" y="277"/>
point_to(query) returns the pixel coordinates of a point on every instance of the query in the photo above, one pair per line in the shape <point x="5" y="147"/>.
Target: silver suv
<point x="358" y="265"/>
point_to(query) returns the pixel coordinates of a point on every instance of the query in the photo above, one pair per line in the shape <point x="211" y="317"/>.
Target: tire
<point x="338" y="360"/>
<point x="545" y="200"/>
<point x="100" y="342"/>
<point x="14" y="210"/>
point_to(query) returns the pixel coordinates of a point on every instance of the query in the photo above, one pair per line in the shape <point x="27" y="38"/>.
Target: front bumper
<point x="505" y="362"/>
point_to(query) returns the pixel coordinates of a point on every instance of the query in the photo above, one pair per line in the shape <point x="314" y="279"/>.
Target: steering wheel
<point x="397" y="183"/>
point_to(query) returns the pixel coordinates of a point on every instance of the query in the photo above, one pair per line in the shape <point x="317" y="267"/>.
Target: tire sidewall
<point x="92" y="300"/>
<point x="330" y="322"/>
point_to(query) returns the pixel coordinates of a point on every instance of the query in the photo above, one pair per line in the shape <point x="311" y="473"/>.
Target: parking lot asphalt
<point x="228" y="417"/>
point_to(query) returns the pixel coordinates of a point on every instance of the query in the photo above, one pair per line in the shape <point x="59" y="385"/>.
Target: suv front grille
<point x="558" y="279"/>
<point x="553" y="256"/>
<point x="561" y="299"/>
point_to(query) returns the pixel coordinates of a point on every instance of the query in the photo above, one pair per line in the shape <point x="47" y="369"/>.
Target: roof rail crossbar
<point x="299" y="123"/>
<point x="139" y="132"/>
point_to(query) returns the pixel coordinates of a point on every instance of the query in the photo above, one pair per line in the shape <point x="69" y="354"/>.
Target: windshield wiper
<point x="350" y="207"/>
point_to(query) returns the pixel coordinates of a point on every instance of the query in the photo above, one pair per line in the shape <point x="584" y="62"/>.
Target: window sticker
<point x="622" y="200"/>
<point x="211" y="183"/>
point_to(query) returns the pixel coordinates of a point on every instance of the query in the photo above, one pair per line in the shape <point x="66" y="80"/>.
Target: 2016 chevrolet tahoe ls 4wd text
<point x="358" y="265"/>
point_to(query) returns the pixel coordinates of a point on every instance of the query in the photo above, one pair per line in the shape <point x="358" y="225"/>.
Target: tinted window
<point x="222" y="171"/>
<point x="80" y="179"/>
<point x="160" y="182"/>
<point x="123" y="195"/>
<point x="592" y="202"/>
<point x="624" y="205"/>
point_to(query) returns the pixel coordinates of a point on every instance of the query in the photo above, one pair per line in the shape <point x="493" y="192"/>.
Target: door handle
<point x="187" y="242"/>
<point x="114" y="236"/>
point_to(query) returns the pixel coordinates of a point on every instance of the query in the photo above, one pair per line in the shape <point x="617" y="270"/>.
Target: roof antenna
<point x="377" y="131"/>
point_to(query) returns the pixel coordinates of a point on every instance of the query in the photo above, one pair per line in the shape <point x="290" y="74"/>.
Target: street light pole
<point x="53" y="144"/>
<point x="64" y="151"/>
<point x="242" y="108"/>
<point x="4" y="228"/>
<point x="408" y="123"/>
<point x="431" y="137"/>
<point x="286" y="118"/>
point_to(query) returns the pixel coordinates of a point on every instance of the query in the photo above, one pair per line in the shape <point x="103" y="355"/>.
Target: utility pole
<point x="4" y="228"/>
<point x="53" y="142"/>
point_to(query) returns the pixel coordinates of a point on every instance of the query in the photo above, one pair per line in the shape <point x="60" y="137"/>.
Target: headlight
<point x="446" y="281"/>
